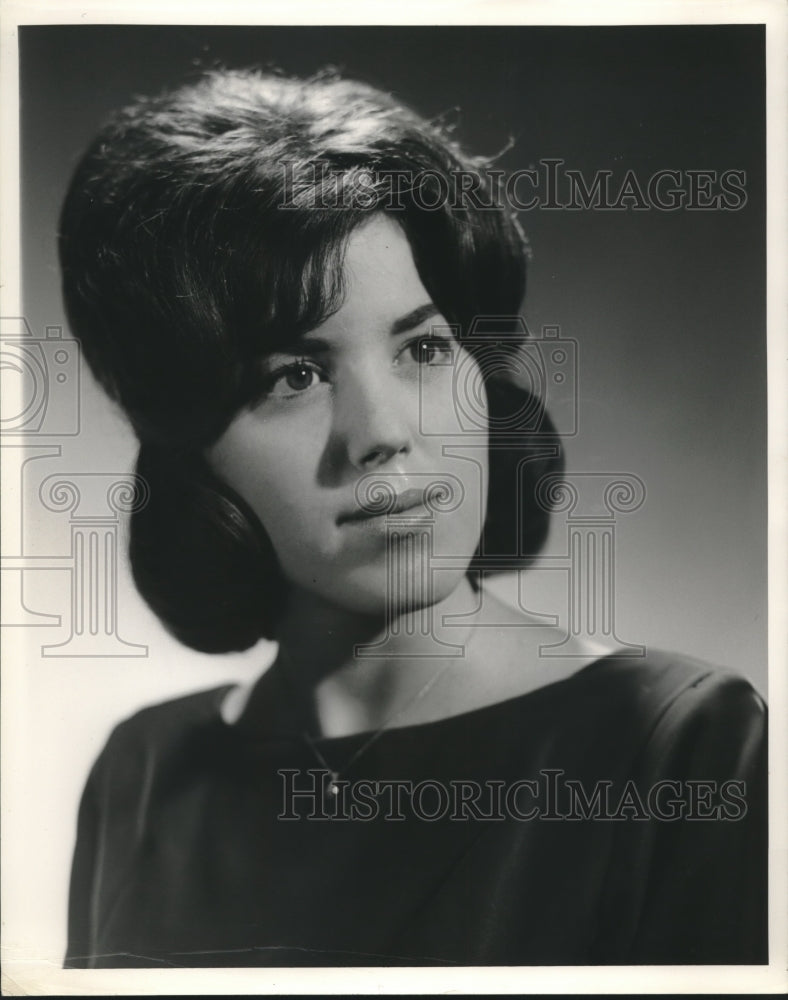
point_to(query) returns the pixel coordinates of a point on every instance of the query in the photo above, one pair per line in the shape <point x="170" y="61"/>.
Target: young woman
<point x="312" y="326"/>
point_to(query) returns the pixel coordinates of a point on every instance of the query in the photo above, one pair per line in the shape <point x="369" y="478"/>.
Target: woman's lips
<point x="407" y="500"/>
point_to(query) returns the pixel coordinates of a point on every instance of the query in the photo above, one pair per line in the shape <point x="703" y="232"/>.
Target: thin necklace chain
<point x="333" y="787"/>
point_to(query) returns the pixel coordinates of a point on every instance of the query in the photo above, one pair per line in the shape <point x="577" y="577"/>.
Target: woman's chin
<point x="380" y="592"/>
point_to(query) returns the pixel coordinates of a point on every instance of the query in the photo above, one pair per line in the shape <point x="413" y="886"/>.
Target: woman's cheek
<point x="282" y="500"/>
<point x="453" y="400"/>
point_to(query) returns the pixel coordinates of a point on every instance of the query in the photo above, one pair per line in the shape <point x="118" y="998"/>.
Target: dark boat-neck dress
<point x="615" y="817"/>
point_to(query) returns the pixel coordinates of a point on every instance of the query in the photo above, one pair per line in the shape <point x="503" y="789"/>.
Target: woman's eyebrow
<point x="414" y="318"/>
<point x="316" y="345"/>
<point x="307" y="345"/>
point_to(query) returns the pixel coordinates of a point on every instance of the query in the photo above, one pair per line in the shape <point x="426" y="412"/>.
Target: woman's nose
<point x="375" y="421"/>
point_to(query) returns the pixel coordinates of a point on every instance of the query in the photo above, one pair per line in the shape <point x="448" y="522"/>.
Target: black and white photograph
<point x="390" y="513"/>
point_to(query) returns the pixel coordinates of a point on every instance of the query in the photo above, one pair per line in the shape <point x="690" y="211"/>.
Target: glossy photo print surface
<point x="384" y="444"/>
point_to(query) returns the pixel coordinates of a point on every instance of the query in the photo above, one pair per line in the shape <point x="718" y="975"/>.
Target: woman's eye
<point x="432" y="350"/>
<point x="292" y="380"/>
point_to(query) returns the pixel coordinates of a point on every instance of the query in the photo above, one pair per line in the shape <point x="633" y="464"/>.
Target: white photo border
<point x="22" y="973"/>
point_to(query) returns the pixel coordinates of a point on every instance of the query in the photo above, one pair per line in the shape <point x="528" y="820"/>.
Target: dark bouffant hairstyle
<point x="206" y="227"/>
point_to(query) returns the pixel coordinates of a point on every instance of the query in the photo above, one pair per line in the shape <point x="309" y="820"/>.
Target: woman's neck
<point x="348" y="672"/>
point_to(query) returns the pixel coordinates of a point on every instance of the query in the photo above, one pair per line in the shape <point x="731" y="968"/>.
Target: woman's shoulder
<point x="162" y="729"/>
<point x="618" y="707"/>
<point x="194" y="707"/>
<point x="526" y="658"/>
<point x="669" y="709"/>
<point x="621" y="686"/>
<point x="662" y="715"/>
<point x="663" y="682"/>
<point x="663" y="670"/>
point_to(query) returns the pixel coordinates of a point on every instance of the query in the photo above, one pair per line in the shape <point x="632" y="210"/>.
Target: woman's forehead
<point x="381" y="284"/>
<point x="369" y="286"/>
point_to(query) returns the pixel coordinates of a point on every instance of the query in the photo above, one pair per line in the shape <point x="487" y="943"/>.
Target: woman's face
<point x="358" y="416"/>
